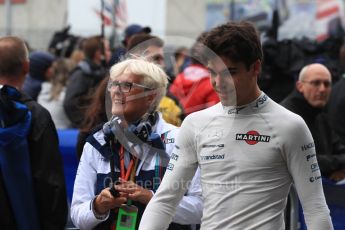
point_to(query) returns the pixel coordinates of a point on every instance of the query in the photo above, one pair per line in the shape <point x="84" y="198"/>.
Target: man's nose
<point x="219" y="80"/>
<point x="323" y="87"/>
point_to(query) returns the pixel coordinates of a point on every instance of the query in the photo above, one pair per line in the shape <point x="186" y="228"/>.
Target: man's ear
<point x="257" y="67"/>
<point x="299" y="86"/>
<point x="26" y="67"/>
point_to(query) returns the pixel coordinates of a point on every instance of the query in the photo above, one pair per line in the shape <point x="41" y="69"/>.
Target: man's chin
<point x="319" y="105"/>
<point x="226" y="101"/>
<point x="226" y="95"/>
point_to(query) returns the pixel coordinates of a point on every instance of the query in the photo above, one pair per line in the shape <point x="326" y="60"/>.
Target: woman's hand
<point x="105" y="201"/>
<point x="134" y="191"/>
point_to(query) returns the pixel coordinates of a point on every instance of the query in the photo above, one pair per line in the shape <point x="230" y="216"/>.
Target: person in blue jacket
<point x="32" y="185"/>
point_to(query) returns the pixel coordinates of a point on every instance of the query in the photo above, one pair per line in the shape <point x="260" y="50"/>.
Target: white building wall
<point x="150" y="13"/>
<point x="184" y="21"/>
<point x="35" y="21"/>
<point x="186" y="18"/>
<point x="178" y="22"/>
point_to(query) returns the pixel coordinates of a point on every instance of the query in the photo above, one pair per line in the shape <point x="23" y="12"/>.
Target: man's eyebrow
<point x="229" y="69"/>
<point x="224" y="70"/>
<point x="209" y="69"/>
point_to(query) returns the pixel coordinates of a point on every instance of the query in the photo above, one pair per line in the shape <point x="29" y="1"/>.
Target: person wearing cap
<point x="40" y="70"/>
<point x="132" y="30"/>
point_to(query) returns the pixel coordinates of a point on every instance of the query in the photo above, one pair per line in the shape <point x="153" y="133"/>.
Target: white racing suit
<point x="248" y="156"/>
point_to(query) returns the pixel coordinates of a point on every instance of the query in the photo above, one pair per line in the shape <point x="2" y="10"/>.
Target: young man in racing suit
<point x="249" y="149"/>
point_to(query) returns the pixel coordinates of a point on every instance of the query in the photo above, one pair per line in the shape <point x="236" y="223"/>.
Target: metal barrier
<point x="67" y="141"/>
<point x="335" y="198"/>
<point x="294" y="209"/>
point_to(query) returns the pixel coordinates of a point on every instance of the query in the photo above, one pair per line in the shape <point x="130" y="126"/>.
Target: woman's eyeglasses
<point x="125" y="87"/>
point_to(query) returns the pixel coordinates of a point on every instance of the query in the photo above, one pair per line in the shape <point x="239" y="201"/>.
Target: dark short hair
<point x="13" y="53"/>
<point x="342" y="55"/>
<point x="237" y="41"/>
<point x="91" y="45"/>
<point x="197" y="50"/>
<point x="140" y="42"/>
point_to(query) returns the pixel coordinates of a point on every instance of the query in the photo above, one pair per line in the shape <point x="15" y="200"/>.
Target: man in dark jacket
<point x="85" y="78"/>
<point x="32" y="185"/>
<point x="336" y="105"/>
<point x="336" y="109"/>
<point x="312" y="93"/>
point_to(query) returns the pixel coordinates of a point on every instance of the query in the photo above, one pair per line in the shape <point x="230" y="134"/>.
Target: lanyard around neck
<point x="123" y="172"/>
<point x="130" y="172"/>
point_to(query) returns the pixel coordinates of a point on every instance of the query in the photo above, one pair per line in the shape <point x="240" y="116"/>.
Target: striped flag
<point x="326" y="11"/>
<point x="121" y="15"/>
<point x="13" y="1"/>
<point x="113" y="15"/>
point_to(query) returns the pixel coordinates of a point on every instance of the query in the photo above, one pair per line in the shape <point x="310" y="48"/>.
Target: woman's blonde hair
<point x="152" y="75"/>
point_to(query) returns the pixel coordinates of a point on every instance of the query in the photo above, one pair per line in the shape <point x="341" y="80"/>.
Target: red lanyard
<point x="125" y="174"/>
